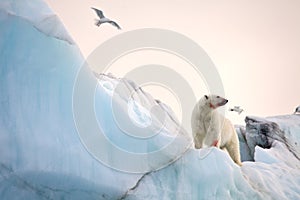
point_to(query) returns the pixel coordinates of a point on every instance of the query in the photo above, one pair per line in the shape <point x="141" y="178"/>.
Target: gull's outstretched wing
<point x="115" y="24"/>
<point x="99" y="12"/>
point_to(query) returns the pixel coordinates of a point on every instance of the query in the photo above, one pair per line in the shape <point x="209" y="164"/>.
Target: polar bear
<point x="212" y="129"/>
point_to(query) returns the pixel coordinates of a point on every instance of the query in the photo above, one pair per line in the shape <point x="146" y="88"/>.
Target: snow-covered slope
<point x="204" y="174"/>
<point x="45" y="155"/>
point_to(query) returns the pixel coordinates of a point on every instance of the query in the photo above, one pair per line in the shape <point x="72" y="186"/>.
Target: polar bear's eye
<point x="218" y="96"/>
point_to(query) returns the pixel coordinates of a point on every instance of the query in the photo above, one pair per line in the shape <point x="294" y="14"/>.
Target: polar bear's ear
<point x="206" y="97"/>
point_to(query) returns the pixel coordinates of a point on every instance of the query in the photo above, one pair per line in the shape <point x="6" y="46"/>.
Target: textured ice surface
<point x="38" y="14"/>
<point x="43" y="156"/>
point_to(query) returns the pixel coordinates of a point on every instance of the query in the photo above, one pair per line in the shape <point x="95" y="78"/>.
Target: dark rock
<point x="263" y="132"/>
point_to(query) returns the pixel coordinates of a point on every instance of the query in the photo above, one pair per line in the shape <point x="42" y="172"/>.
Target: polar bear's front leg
<point x="198" y="140"/>
<point x="213" y="135"/>
<point x="212" y="142"/>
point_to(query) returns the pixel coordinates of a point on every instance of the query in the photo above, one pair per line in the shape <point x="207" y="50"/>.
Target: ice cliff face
<point x="44" y="157"/>
<point x="41" y="154"/>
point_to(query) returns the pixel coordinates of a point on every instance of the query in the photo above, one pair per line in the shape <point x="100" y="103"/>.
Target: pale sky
<point x="255" y="45"/>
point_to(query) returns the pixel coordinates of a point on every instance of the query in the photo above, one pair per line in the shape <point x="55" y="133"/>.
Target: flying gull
<point x="236" y="109"/>
<point x="103" y="19"/>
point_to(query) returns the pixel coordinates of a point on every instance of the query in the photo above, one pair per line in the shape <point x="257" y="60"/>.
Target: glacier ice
<point x="39" y="142"/>
<point x="44" y="157"/>
<point x="197" y="175"/>
<point x="37" y="14"/>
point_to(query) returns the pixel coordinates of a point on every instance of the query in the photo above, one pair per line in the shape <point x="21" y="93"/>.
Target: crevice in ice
<point x="72" y="190"/>
<point x="42" y="191"/>
<point x="8" y="173"/>
<point x="52" y="27"/>
<point x="134" y="187"/>
<point x="137" y="184"/>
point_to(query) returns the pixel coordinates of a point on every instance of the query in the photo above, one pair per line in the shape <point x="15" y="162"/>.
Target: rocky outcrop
<point x="263" y="132"/>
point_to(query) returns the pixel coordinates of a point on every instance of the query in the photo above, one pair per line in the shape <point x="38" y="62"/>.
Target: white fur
<point x="209" y="127"/>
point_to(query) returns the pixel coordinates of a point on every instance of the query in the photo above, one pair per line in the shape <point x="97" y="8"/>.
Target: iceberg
<point x="50" y="148"/>
<point x="41" y="153"/>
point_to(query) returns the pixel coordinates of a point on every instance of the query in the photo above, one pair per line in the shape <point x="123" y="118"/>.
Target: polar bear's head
<point x="214" y="101"/>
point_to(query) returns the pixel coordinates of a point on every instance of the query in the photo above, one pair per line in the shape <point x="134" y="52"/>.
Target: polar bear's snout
<point x="217" y="101"/>
<point x="222" y="103"/>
